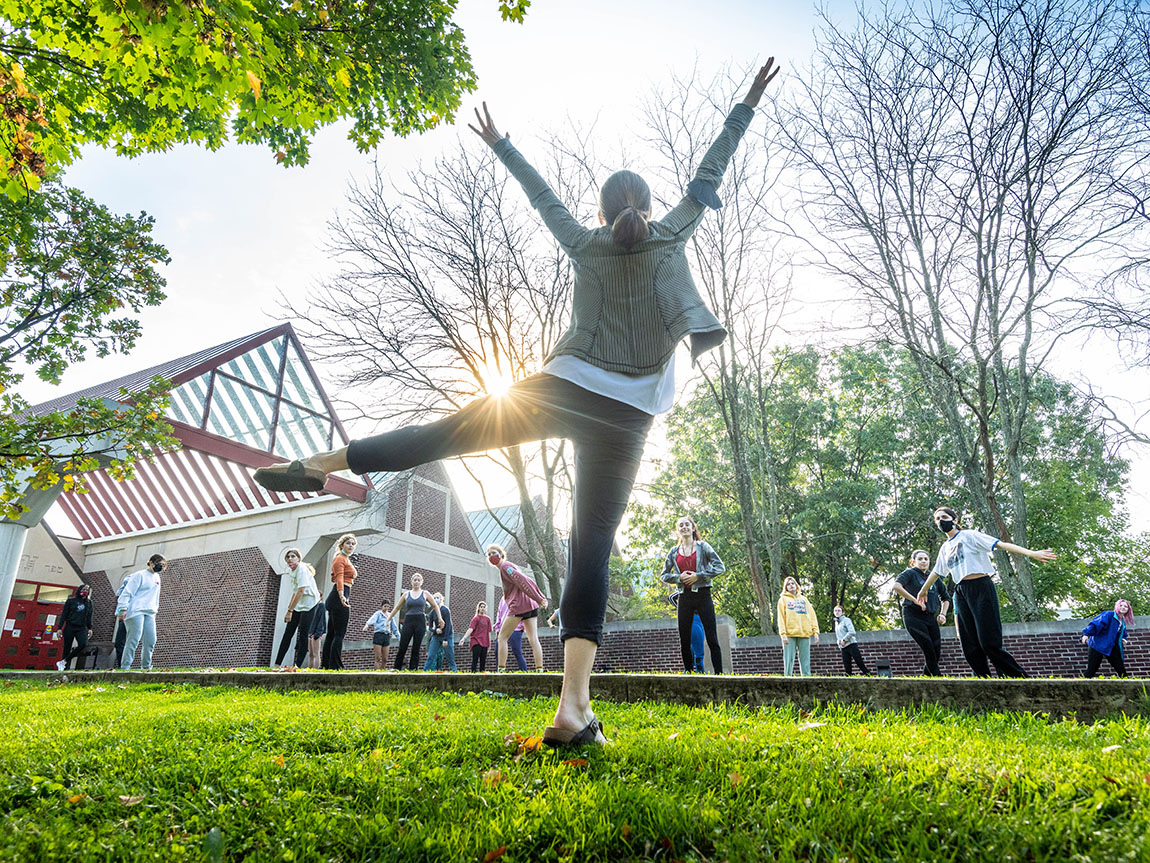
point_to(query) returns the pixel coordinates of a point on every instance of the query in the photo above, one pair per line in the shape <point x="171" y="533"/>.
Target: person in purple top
<point x="515" y="642"/>
<point x="1106" y="635"/>
<point x="524" y="599"/>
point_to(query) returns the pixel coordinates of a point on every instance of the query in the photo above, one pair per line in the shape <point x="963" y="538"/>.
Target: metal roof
<point x="235" y="407"/>
<point x="486" y="524"/>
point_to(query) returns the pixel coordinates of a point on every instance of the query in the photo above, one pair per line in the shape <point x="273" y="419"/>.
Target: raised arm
<point x="558" y="219"/>
<point x="701" y="191"/>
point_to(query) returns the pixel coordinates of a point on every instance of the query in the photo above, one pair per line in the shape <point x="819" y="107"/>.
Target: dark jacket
<point x="433" y="624"/>
<point x="912" y="579"/>
<point x="77" y="612"/>
<point x="707" y="564"/>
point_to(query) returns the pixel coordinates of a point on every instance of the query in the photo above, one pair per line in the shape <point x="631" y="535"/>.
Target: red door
<point x="26" y="641"/>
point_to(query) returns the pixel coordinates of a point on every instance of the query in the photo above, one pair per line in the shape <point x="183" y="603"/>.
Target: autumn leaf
<point x="673" y="736"/>
<point x="1111" y="748"/>
<point x="494" y="854"/>
<point x="492" y="777"/>
<point x="375" y="754"/>
<point x="626" y="832"/>
<point x="1111" y="780"/>
<point x="254" y="82"/>
<point x="1146" y="778"/>
<point x="575" y="762"/>
<point x="280" y="156"/>
<point x="278" y="761"/>
<point x="131" y="799"/>
<point x="437" y="717"/>
<point x="807" y="726"/>
<point x="736" y="779"/>
<point x="76" y="798"/>
<point x="512" y="740"/>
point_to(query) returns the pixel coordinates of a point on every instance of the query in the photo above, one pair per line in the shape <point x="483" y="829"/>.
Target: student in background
<point x="121" y="635"/>
<point x="442" y="649"/>
<point x="383" y="630"/>
<point x="1106" y="635"/>
<point x="965" y="557"/>
<point x="412" y="603"/>
<point x="798" y="625"/>
<point x="690" y="565"/>
<point x="848" y="643"/>
<point x="338" y="604"/>
<point x="76" y="623"/>
<point x="524" y="599"/>
<point x="478" y="635"/>
<point x="303" y="605"/>
<point x="137" y="606"/>
<point x="922" y="619"/>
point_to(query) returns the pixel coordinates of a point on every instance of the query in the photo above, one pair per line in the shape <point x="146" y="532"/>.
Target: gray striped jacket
<point x="630" y="309"/>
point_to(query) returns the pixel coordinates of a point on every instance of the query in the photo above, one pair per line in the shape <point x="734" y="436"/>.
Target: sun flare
<point x="496" y="382"/>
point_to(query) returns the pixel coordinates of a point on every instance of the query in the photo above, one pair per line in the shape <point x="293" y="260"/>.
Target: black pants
<point x="608" y="438"/>
<point x="698" y="602"/>
<point x="299" y="625"/>
<point x="478" y="658"/>
<point x="119" y="640"/>
<point x="1094" y="661"/>
<point x="851" y="653"/>
<point x="412" y="632"/>
<point x="923" y="628"/>
<point x="980" y="628"/>
<point x="338" y="615"/>
<point x="77" y="634"/>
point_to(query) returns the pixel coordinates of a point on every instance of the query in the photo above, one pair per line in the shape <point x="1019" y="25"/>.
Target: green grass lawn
<point x="187" y="773"/>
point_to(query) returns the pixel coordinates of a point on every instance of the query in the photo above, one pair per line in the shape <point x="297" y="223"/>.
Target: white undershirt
<point x="652" y="394"/>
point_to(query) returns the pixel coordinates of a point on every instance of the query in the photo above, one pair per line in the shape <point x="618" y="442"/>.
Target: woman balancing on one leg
<point x="633" y="301"/>
<point x="690" y="565"/>
<point x="965" y="556"/>
<point x="1106" y="635"/>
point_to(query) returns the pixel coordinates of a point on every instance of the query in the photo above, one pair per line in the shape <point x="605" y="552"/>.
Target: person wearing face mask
<point x="137" y="606"/>
<point x="965" y="557"/>
<point x="441" y="648"/>
<point x="923" y="618"/>
<point x="478" y="635"/>
<point x="798" y="627"/>
<point x="304" y="603"/>
<point x="691" y="565"/>
<point x="848" y="642"/>
<point x="1106" y="635"/>
<point x="524" y="599"/>
<point x="77" y="625"/>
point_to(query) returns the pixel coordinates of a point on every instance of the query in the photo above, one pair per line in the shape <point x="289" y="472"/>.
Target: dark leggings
<point x="923" y="628"/>
<point x="300" y="623"/>
<point x="515" y="645"/>
<point x="980" y="628"/>
<point x="1094" y="661"/>
<point x="338" y="615"/>
<point x="608" y="437"/>
<point x="851" y="653"/>
<point x="478" y="658"/>
<point x="699" y="602"/>
<point x="78" y="634"/>
<point x="412" y="632"/>
<point x="119" y="641"/>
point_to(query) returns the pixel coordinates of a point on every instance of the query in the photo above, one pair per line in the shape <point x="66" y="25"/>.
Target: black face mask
<point x="157" y="567"/>
<point x="945" y="525"/>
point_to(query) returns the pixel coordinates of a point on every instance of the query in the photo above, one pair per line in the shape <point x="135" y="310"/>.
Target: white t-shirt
<point x="301" y="577"/>
<point x="966" y="553"/>
<point x="652" y="394"/>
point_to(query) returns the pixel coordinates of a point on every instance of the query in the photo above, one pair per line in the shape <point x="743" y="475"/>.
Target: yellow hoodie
<point x="797" y="616"/>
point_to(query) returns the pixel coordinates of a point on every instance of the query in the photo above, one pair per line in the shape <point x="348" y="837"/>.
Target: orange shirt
<point x="342" y="571"/>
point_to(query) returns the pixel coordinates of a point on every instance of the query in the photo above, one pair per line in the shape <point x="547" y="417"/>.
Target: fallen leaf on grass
<point x="131" y="799"/>
<point x="1110" y="780"/>
<point x="437" y="717"/>
<point x="512" y="740"/>
<point x="278" y="761"/>
<point x="673" y="736"/>
<point x="526" y="747"/>
<point x="626" y="831"/>
<point x="492" y="777"/>
<point x="76" y="798"/>
<point x="167" y="691"/>
<point x="575" y="762"/>
<point x="121" y="686"/>
<point x="375" y="754"/>
<point x="101" y="689"/>
<point x="1146" y="778"/>
<point x="736" y="779"/>
<point x="807" y="726"/>
<point x="1116" y="746"/>
<point x="494" y="854"/>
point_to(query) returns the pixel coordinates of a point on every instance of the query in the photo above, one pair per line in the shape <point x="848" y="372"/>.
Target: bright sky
<point x="240" y="229"/>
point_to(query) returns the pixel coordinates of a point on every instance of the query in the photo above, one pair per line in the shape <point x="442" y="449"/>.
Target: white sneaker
<point x="61" y="665"/>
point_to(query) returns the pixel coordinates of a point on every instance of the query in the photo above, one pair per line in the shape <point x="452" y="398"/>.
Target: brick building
<point x="237" y="407"/>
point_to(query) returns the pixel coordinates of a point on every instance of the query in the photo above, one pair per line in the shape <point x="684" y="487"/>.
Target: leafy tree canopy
<point x="142" y="75"/>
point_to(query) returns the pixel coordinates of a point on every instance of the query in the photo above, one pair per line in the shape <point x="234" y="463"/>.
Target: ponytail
<point x="625" y="204"/>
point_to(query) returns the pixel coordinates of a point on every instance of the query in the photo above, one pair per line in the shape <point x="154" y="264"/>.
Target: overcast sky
<point x="241" y="229"/>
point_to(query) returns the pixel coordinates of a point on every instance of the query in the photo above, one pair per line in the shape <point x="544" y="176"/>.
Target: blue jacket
<point x="1106" y="632"/>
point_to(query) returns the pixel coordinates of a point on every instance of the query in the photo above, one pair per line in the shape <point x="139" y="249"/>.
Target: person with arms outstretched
<point x="633" y="301"/>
